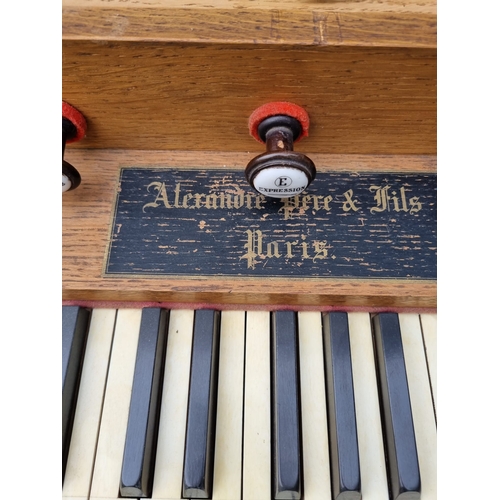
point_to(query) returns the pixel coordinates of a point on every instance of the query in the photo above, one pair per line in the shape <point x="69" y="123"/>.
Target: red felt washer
<point x="77" y="119"/>
<point x="278" y="108"/>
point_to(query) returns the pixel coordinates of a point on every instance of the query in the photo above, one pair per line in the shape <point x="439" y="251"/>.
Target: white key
<point x="167" y="482"/>
<point x="80" y="463"/>
<point x="429" y="329"/>
<point x="421" y="403"/>
<point x="315" y="451"/>
<point x="108" y="463"/>
<point x="229" y="429"/>
<point x="370" y="441"/>
<point x="257" y="413"/>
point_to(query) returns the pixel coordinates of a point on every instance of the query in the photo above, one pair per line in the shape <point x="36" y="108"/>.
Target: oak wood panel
<point x="394" y="6"/>
<point x="363" y="22"/>
<point x="87" y="216"/>
<point x="180" y="96"/>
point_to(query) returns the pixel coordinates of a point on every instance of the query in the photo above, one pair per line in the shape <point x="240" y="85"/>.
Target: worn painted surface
<point x="195" y="222"/>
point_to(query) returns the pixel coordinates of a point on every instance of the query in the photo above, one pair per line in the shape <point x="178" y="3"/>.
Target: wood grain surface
<point x="390" y="23"/>
<point x="195" y="96"/>
<point x="87" y="218"/>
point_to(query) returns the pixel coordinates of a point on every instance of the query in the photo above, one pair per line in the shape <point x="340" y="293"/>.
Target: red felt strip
<point x="238" y="307"/>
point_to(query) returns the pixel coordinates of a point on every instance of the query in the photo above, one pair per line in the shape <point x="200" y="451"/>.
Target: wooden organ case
<point x="166" y="87"/>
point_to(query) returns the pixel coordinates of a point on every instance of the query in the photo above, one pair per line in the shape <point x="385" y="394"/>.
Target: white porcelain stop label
<point x="66" y="183"/>
<point x="280" y="182"/>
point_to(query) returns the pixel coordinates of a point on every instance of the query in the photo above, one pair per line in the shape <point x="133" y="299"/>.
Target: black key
<point x="286" y="407"/>
<point x="74" y="335"/>
<point x="200" y="432"/>
<point x="344" y="453"/>
<point x="142" y="426"/>
<point x="398" y="421"/>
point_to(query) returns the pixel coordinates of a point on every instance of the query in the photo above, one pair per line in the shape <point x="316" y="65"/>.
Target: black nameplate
<point x="195" y="222"/>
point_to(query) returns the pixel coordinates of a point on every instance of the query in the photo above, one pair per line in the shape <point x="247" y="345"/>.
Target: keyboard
<point x="229" y="405"/>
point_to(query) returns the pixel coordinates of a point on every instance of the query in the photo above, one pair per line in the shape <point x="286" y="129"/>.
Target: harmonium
<point x="249" y="249"/>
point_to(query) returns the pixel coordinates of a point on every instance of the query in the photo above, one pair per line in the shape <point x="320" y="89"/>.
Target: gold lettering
<point x="316" y="201"/>
<point x="320" y="249"/>
<point x="177" y="193"/>
<point x="380" y="198"/>
<point x="211" y="201"/>
<point x="272" y="250"/>
<point x="305" y="255"/>
<point x="289" y="245"/>
<point x="303" y="203"/>
<point x="416" y="206"/>
<point x="260" y="198"/>
<point x="161" y="196"/>
<point x="305" y="200"/>
<point x="221" y="200"/>
<point x="289" y="204"/>
<point x="327" y="200"/>
<point x="185" y="199"/>
<point x="229" y="201"/>
<point x="239" y="199"/>
<point x="253" y="247"/>
<point x="395" y="201"/>
<point x="403" y="199"/>
<point x="249" y="200"/>
<point x="198" y="197"/>
<point x="399" y="203"/>
<point x="349" y="204"/>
